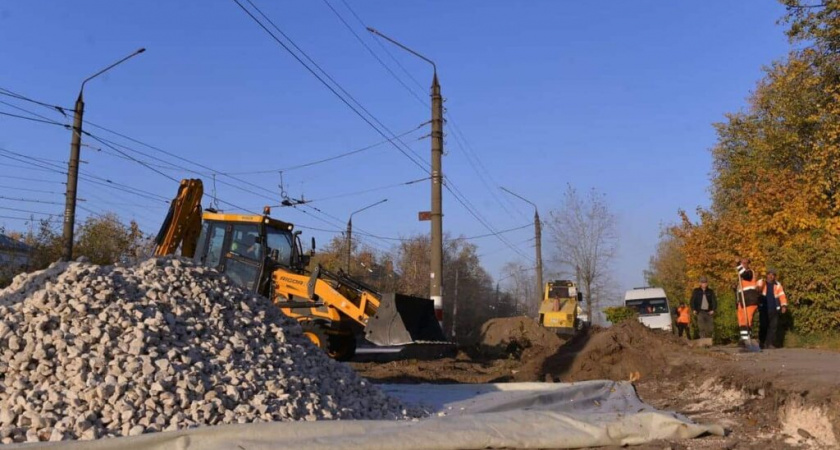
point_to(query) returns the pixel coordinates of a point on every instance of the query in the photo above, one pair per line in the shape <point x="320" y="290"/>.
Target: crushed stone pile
<point x="100" y="351"/>
<point x="621" y="352"/>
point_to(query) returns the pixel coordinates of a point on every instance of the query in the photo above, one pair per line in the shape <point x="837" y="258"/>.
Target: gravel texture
<point x="97" y="351"/>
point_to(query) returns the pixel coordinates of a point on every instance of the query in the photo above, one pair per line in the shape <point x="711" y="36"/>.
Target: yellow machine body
<point x="560" y="307"/>
<point x="265" y="256"/>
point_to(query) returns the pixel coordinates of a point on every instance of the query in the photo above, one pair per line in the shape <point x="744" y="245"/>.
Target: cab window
<point x="201" y="248"/>
<point x="281" y="241"/>
<point x="245" y="241"/>
<point x="214" y="247"/>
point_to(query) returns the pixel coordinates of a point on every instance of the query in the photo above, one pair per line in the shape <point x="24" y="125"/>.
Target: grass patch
<point x="825" y="341"/>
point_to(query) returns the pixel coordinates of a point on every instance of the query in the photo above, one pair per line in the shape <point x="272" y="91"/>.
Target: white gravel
<point x="96" y="351"/>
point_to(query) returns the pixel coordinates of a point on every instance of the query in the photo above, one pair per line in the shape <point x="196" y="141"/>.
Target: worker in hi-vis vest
<point x="683" y="319"/>
<point x="774" y="304"/>
<point x="746" y="311"/>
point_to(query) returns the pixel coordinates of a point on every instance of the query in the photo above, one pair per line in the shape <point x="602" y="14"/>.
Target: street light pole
<point x="73" y="164"/>
<point x="538" y="246"/>
<point x="436" y="269"/>
<point x="350" y="233"/>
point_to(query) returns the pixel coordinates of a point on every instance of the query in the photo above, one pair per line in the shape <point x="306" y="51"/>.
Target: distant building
<point x="14" y="255"/>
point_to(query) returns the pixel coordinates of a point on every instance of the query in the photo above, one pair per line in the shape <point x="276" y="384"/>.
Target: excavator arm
<point x="387" y="319"/>
<point x="183" y="221"/>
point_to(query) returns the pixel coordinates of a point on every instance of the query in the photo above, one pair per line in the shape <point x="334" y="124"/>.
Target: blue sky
<point x="615" y="95"/>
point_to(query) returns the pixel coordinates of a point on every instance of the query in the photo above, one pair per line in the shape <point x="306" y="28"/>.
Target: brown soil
<point x="508" y="349"/>
<point x="775" y="399"/>
<point x="509" y="335"/>
<point x="622" y="352"/>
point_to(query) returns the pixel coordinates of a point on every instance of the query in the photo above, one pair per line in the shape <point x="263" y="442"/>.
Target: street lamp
<point x="73" y="164"/>
<point x="350" y="231"/>
<point x="537" y="237"/>
<point x="436" y="269"/>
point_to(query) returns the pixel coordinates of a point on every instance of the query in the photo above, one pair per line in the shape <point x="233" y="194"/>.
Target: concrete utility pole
<point x="350" y="233"/>
<point x="73" y="164"/>
<point x="436" y="291"/>
<point x="436" y="269"/>
<point x="537" y="246"/>
<point x="455" y="307"/>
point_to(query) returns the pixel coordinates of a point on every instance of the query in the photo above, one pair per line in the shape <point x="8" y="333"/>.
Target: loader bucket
<point x="402" y="319"/>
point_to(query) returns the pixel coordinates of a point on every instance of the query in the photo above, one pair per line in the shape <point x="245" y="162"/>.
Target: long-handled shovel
<point x="750" y="345"/>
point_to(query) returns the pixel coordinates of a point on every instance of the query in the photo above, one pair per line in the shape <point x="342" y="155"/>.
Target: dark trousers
<point x="682" y="328"/>
<point x="772" y="327"/>
<point x="705" y="324"/>
<point x="763" y="321"/>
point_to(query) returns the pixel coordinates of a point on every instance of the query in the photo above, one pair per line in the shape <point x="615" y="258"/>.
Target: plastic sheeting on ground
<point x="478" y="416"/>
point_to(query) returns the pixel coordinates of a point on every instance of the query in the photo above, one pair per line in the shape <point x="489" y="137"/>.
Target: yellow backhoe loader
<point x="265" y="256"/>
<point x="560" y="309"/>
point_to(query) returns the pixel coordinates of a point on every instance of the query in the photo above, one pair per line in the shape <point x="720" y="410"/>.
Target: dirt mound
<point x="617" y="352"/>
<point x="512" y="335"/>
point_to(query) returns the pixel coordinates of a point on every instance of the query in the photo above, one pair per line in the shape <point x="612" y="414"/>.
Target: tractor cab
<point x="242" y="246"/>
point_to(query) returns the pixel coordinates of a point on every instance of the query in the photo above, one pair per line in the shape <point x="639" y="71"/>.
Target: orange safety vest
<point x="778" y="292"/>
<point x="683" y="314"/>
<point x="746" y="285"/>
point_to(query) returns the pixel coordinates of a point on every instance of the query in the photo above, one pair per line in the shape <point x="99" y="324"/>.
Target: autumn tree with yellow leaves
<point x="776" y="182"/>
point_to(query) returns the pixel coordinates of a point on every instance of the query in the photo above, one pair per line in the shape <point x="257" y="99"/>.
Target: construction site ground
<point x="785" y="398"/>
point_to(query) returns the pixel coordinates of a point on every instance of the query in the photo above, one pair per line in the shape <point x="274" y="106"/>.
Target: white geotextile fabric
<point x="478" y="416"/>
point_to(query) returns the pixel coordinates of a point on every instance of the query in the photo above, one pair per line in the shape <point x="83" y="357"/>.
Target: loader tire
<point x="340" y="347"/>
<point x="317" y="334"/>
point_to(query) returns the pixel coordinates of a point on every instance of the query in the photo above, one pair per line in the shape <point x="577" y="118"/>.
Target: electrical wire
<point x="480" y="219"/>
<point x="40" y="191"/>
<point x="103" y="142"/>
<point x="365" y="191"/>
<point x="370" y="50"/>
<point x="30" y="200"/>
<point x="87" y="177"/>
<point x="17" y="116"/>
<point x="62" y="110"/>
<point x="37" y="213"/>
<point x="423" y="166"/>
<point x="325" y="160"/>
<point x="13" y="177"/>
<point x="418" y="98"/>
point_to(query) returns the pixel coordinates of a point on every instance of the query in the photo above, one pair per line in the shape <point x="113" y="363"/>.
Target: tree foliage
<point x="617" y="314"/>
<point x="667" y="268"/>
<point x="776" y="180"/>
<point x="470" y="298"/>
<point x="103" y="240"/>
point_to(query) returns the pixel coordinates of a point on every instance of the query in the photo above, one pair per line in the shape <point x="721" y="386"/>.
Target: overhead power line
<point x="365" y="191"/>
<point x="30" y="200"/>
<point x="13" y="177"/>
<point x="422" y="165"/>
<point x="62" y="110"/>
<point x="33" y="119"/>
<point x="372" y="53"/>
<point x="37" y="213"/>
<point x="325" y="160"/>
<point x="462" y="198"/>
<point x="40" y="191"/>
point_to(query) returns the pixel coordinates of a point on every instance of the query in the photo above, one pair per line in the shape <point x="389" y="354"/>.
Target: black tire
<point x="340" y="347"/>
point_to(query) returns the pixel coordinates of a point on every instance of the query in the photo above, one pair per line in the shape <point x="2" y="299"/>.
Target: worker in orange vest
<point x="749" y="286"/>
<point x="683" y="319"/>
<point x="774" y="303"/>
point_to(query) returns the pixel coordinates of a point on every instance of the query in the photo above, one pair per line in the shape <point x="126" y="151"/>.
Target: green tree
<point x="618" y="314"/>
